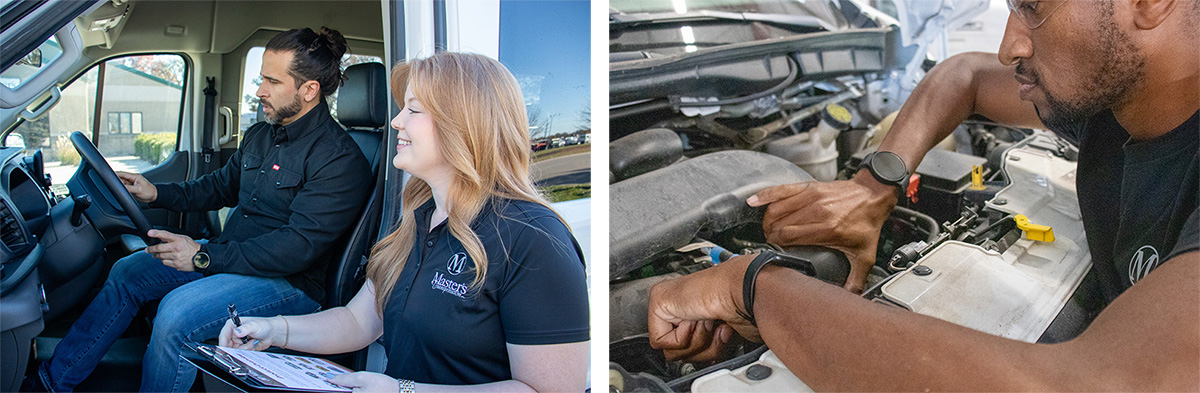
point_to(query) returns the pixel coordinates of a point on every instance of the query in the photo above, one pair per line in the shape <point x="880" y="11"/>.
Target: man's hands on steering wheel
<point x="843" y="215"/>
<point x="176" y="250"/>
<point x="125" y="202"/>
<point x="138" y="186"/>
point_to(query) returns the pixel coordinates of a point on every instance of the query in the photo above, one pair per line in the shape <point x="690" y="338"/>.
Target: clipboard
<point x="252" y="371"/>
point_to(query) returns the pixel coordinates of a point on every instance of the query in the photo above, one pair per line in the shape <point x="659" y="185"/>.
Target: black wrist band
<point x="760" y="261"/>
<point x="748" y="283"/>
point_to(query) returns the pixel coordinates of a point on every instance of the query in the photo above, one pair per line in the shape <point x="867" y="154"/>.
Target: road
<point x="572" y="169"/>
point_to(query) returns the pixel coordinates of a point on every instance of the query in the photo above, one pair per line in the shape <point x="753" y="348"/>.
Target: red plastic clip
<point x="914" y="183"/>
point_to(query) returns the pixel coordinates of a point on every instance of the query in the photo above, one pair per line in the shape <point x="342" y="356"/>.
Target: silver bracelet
<point x="407" y="386"/>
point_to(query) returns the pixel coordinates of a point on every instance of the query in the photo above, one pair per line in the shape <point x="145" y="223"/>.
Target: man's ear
<point x="1149" y="14"/>
<point x="310" y="90"/>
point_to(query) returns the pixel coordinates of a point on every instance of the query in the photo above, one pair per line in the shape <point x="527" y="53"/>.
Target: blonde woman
<point x="481" y="285"/>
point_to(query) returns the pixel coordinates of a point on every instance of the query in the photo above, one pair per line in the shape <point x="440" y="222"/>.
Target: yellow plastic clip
<point x="977" y="178"/>
<point x="1041" y="233"/>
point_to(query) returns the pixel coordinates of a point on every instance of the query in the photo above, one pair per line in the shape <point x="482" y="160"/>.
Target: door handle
<point x="227" y="133"/>
<point x="46" y="104"/>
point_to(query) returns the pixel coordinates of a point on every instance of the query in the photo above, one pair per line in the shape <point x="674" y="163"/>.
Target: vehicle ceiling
<point x="219" y="27"/>
<point x="204" y="28"/>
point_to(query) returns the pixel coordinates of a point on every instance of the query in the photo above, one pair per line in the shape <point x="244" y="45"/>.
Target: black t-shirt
<point x="437" y="330"/>
<point x="1138" y="199"/>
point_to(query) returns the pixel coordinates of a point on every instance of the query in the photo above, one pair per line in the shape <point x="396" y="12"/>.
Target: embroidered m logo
<point x="457" y="263"/>
<point x="1144" y="260"/>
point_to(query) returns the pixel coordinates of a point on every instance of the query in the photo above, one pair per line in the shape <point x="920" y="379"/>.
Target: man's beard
<point x="286" y="111"/>
<point x="1121" y="69"/>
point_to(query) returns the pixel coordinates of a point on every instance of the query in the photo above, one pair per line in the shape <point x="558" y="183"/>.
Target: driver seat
<point x="362" y="108"/>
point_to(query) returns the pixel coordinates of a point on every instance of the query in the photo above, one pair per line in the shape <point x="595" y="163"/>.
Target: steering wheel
<point x="88" y="152"/>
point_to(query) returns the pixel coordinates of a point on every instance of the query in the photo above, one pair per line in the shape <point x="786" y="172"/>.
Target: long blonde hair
<point x="479" y="116"/>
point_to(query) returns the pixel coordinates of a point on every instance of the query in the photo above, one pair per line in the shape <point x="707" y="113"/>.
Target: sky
<point x="546" y="46"/>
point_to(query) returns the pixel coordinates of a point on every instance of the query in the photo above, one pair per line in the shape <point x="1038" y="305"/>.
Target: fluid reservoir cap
<point x="758" y="372"/>
<point x="1041" y="233"/>
<point x="836" y="116"/>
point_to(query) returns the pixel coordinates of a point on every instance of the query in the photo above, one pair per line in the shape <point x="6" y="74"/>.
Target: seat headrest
<point x="362" y="100"/>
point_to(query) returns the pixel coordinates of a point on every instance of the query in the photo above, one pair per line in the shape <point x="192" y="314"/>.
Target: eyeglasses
<point x="1033" y="13"/>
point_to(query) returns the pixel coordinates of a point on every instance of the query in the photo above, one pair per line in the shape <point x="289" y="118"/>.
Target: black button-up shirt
<point x="297" y="189"/>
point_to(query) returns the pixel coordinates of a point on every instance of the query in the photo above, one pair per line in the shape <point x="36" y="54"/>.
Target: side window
<point x="251" y="79"/>
<point x="135" y="126"/>
<point x="545" y="45"/>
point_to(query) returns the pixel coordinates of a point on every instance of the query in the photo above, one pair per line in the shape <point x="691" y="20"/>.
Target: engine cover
<point x="663" y="210"/>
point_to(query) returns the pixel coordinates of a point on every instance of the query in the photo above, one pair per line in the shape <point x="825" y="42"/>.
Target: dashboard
<point x="25" y="215"/>
<point x="24" y="206"/>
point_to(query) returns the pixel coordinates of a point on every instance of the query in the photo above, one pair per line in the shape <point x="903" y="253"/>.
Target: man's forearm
<point x="834" y="340"/>
<point x="944" y="98"/>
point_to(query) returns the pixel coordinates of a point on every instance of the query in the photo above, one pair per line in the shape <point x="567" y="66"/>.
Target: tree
<point x="539" y="123"/>
<point x="166" y="67"/>
<point x="250" y="99"/>
<point x="585" y="117"/>
<point x="35" y="132"/>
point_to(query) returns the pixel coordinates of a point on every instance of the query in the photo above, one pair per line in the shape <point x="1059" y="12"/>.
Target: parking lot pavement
<point x="572" y="169"/>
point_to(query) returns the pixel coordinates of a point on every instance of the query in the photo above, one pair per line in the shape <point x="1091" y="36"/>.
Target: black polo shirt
<point x="437" y="330"/>
<point x="297" y="189"/>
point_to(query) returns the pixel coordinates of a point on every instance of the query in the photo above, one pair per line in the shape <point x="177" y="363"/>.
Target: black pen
<point x="237" y="322"/>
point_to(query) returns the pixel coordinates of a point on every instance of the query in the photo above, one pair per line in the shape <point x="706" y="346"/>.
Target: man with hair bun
<point x="297" y="183"/>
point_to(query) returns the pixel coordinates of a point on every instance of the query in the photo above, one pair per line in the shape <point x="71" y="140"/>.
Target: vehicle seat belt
<point x="210" y="113"/>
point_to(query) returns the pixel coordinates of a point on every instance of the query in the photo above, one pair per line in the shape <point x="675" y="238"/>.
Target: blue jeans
<point x="193" y="308"/>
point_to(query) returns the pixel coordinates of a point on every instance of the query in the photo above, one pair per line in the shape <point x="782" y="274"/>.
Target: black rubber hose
<point x="930" y="224"/>
<point x="793" y="73"/>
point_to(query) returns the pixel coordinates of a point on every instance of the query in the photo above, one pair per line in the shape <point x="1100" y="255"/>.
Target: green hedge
<point x="154" y="147"/>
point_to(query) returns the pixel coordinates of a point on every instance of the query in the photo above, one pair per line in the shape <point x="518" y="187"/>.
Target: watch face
<point x="889" y="166"/>
<point x="200" y="260"/>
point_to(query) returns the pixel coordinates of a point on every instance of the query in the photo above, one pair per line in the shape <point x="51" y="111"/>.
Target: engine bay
<point x="961" y="248"/>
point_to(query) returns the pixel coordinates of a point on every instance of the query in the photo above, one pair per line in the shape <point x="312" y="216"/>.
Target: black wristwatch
<point x="762" y="260"/>
<point x="888" y="168"/>
<point x="201" y="260"/>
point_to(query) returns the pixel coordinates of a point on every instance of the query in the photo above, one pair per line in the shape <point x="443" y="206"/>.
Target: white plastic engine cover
<point x="1018" y="293"/>
<point x="780" y="380"/>
<point x="1015" y="294"/>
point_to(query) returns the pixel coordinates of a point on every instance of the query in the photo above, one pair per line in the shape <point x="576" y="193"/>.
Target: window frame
<point x="188" y="69"/>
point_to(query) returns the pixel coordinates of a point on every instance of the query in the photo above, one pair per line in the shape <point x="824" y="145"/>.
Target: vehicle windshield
<point x="667" y="27"/>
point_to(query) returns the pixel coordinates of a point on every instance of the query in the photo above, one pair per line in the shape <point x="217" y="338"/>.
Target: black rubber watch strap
<point x="748" y="282"/>
<point x="756" y="266"/>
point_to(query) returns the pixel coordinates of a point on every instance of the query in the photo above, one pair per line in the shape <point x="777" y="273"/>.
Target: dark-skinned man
<point x="1121" y="80"/>
<point x="297" y="183"/>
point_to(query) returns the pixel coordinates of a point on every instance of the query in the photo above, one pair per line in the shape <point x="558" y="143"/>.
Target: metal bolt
<point x="922" y="270"/>
<point x="687" y="368"/>
<point x="1000" y="201"/>
<point x="758" y="372"/>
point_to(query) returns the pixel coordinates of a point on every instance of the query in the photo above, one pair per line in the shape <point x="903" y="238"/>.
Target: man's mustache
<point x="1027" y="73"/>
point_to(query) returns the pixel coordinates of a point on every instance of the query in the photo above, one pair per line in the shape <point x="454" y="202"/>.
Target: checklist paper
<point x="293" y="372"/>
